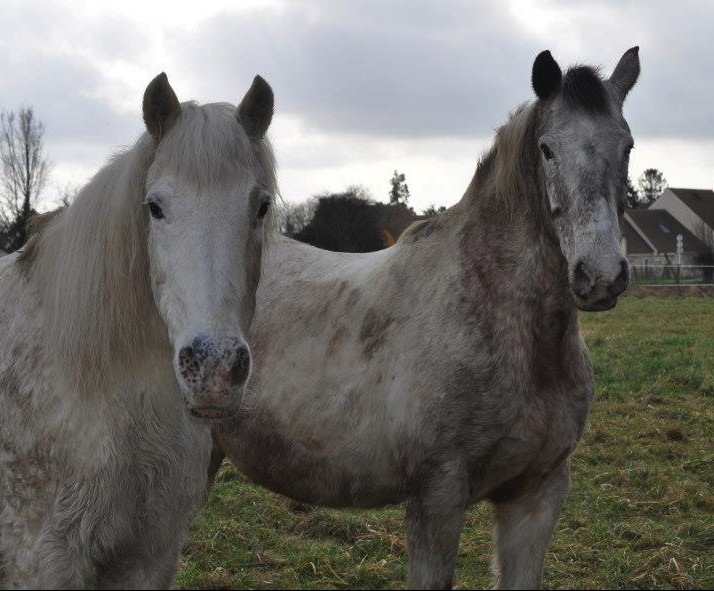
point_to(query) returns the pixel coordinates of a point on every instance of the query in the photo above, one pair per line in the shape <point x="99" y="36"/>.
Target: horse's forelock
<point x="208" y="141"/>
<point x="583" y="88"/>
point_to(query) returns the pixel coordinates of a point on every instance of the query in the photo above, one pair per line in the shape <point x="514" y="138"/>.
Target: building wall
<point x="643" y="259"/>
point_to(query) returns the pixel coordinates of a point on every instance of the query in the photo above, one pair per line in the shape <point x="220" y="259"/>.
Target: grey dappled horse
<point x="449" y="368"/>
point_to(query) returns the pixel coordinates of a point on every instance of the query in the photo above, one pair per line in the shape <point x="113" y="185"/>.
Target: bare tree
<point x="652" y="183"/>
<point x="66" y="194"/>
<point x="24" y="171"/>
<point x="399" y="193"/>
<point x="433" y="210"/>
<point x="632" y="197"/>
<point x="292" y="218"/>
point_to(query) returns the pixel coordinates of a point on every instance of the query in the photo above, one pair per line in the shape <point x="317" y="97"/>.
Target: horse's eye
<point x="628" y="149"/>
<point x="155" y="210"/>
<point x="546" y="151"/>
<point x="263" y="209"/>
<point x="556" y="211"/>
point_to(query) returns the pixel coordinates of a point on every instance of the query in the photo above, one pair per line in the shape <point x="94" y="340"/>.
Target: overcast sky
<point x="362" y="88"/>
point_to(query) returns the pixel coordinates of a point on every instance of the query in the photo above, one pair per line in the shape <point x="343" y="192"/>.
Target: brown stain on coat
<point x="373" y="331"/>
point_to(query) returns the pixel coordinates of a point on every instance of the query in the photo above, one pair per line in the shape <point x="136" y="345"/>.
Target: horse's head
<point x="208" y="192"/>
<point x="585" y="144"/>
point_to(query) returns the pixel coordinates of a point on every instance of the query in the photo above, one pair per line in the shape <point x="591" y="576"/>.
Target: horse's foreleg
<point x="141" y="568"/>
<point x="523" y="529"/>
<point x="44" y="560"/>
<point x="217" y="456"/>
<point x="434" y="517"/>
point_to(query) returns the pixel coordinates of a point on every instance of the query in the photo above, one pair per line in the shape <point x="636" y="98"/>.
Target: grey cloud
<point x="60" y="92"/>
<point x="394" y="78"/>
<point x="454" y="69"/>
<point x="40" y="68"/>
<point x="674" y="94"/>
<point x="391" y="69"/>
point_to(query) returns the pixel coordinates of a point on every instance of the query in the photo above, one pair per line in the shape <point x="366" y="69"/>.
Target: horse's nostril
<point x="215" y="365"/>
<point x="241" y="365"/>
<point x="622" y="280"/>
<point x="582" y="282"/>
<point x="185" y="354"/>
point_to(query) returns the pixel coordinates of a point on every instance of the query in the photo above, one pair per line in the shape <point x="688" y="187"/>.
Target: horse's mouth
<point x="213" y="412"/>
<point x="599" y="305"/>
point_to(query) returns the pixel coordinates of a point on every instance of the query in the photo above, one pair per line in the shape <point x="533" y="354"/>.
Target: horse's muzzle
<point x="212" y="374"/>
<point x="594" y="292"/>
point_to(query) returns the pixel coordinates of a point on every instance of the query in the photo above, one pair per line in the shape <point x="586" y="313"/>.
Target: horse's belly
<point x="353" y="471"/>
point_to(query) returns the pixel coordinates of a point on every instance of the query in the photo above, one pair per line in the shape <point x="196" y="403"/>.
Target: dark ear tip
<point x="255" y="111"/>
<point x="635" y="49"/>
<point x="160" y="78"/>
<point x="262" y="85"/>
<point x="160" y="106"/>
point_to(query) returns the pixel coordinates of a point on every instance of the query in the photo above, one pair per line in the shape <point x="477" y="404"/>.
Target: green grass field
<point x="640" y="512"/>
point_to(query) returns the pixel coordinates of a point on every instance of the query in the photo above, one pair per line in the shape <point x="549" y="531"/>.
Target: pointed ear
<point x="546" y="75"/>
<point x="255" y="111"/>
<point x="161" y="107"/>
<point x="626" y="72"/>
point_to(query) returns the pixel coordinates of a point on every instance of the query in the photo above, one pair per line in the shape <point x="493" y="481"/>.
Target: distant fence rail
<point x="667" y="275"/>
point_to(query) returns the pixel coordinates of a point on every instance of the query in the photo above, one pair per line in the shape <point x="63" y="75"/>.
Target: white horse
<point x="449" y="368"/>
<point x="147" y="279"/>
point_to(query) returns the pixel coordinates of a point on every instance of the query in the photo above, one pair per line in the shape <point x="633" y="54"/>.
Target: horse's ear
<point x="626" y="72"/>
<point x="161" y="108"/>
<point x="546" y="75"/>
<point x="255" y="111"/>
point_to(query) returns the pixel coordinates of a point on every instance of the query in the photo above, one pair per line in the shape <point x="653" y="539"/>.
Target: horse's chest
<point x="169" y="465"/>
<point x="543" y="434"/>
<point x="150" y="471"/>
<point x="527" y="416"/>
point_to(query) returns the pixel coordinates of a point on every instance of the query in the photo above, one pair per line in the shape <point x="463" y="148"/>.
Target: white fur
<point x="101" y="467"/>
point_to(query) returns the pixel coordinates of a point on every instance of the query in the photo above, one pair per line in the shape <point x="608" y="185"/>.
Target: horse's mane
<point x="504" y="171"/>
<point x="90" y="260"/>
<point x="507" y="167"/>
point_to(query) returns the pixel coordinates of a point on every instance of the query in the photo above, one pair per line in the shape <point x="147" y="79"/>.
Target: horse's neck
<point x="507" y="250"/>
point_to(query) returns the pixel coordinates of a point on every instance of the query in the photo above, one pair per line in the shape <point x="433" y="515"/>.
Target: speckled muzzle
<point x="212" y="374"/>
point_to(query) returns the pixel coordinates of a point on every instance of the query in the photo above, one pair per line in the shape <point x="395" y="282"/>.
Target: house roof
<point x="700" y="201"/>
<point x="659" y="229"/>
